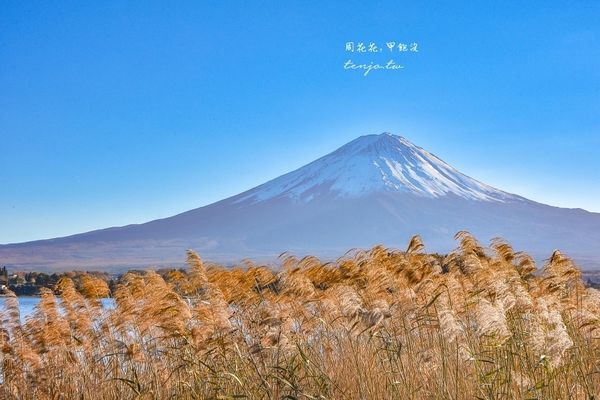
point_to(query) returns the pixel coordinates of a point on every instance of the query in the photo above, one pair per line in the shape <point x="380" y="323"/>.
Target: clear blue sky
<point x="114" y="113"/>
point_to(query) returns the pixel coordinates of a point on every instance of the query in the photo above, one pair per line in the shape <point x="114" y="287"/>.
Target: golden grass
<point x="378" y="324"/>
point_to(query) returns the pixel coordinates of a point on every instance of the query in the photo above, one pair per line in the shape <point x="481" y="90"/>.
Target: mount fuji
<point x="377" y="189"/>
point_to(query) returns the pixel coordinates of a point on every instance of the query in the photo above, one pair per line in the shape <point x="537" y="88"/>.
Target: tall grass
<point x="380" y="324"/>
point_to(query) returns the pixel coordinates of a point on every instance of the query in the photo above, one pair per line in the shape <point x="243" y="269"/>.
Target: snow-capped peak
<point x="375" y="163"/>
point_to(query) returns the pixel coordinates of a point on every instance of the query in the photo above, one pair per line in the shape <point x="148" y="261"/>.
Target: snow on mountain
<point x="375" y="163"/>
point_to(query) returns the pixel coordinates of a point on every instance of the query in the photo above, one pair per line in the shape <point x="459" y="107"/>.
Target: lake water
<point x="27" y="304"/>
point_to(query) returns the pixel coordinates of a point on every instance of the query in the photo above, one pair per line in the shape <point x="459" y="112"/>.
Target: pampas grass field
<point x="478" y="323"/>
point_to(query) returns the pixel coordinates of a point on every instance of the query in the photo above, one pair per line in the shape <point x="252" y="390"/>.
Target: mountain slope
<point x="375" y="189"/>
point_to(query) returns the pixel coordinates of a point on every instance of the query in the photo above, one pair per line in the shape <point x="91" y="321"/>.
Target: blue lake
<point x="27" y="304"/>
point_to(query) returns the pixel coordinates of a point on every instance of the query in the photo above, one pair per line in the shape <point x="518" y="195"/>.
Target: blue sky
<point x="114" y="113"/>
